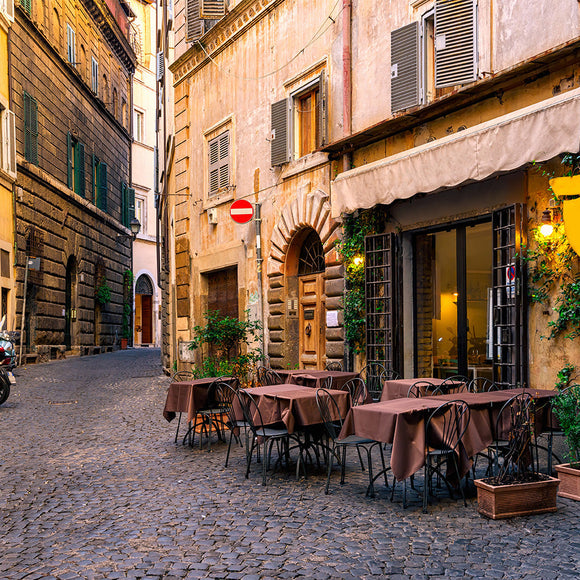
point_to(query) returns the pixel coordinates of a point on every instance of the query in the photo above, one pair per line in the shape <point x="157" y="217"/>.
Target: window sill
<point x="306" y="163"/>
<point x="219" y="198"/>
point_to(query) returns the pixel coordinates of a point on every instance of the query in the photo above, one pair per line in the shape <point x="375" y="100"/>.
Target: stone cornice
<point x="225" y="32"/>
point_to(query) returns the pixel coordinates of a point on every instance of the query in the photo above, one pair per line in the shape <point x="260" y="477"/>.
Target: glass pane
<point x="478" y="286"/>
<point x="436" y="304"/>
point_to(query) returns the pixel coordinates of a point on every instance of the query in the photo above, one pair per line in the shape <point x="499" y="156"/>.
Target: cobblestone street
<point x="93" y="486"/>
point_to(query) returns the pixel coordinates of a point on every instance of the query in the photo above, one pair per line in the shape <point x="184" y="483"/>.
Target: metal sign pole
<point x="23" y="311"/>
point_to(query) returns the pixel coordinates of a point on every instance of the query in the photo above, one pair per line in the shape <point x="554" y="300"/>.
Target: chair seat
<point x="354" y="440"/>
<point x="269" y="432"/>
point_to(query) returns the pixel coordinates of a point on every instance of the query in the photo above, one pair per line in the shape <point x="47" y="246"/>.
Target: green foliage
<point x="566" y="407"/>
<point x="220" y="340"/>
<point x="103" y="293"/>
<point x="351" y="249"/>
<point x="127" y="304"/>
<point x="126" y="321"/>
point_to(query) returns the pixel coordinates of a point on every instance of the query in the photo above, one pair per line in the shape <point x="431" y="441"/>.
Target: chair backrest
<point x="251" y="412"/>
<point x="217" y="395"/>
<point x="391" y="375"/>
<point x="329" y="407"/>
<point x="420" y="389"/>
<point x="267" y="376"/>
<point x="327" y="383"/>
<point x="182" y="376"/>
<point x="358" y="391"/>
<point x="481" y="385"/>
<point x="373" y="375"/>
<point x="446" y="425"/>
<point x="333" y="366"/>
<point x="224" y="395"/>
<point x="455" y="382"/>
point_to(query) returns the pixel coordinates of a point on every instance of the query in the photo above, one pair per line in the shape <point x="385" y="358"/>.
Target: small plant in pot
<point x="566" y="408"/>
<point x="518" y="489"/>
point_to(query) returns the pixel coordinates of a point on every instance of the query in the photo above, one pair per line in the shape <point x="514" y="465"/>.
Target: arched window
<point x="144" y="285"/>
<point x="311" y="260"/>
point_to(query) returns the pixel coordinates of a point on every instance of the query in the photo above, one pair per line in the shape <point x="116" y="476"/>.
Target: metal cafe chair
<point x="328" y="407"/>
<point x="420" y="389"/>
<point x="268" y="376"/>
<point x="452" y="382"/>
<point x="358" y="391"/>
<point x="373" y="374"/>
<point x="333" y="366"/>
<point x="444" y="431"/>
<point x="481" y="385"/>
<point x="176" y="378"/>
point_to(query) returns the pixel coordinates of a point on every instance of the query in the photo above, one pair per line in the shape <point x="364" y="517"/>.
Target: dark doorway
<point x="69" y="301"/>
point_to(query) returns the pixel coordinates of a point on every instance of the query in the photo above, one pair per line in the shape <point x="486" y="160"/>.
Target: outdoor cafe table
<point x="401" y="422"/>
<point x="398" y="388"/>
<point x="188" y="397"/>
<point x="316" y="378"/>
<point x="293" y="405"/>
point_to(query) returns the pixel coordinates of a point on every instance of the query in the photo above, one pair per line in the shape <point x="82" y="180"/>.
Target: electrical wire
<point x="318" y="34"/>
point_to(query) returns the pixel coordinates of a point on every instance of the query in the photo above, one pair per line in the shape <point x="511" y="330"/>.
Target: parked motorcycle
<point x="7" y="361"/>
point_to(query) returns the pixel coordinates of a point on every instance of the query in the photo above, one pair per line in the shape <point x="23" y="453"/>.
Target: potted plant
<point x="566" y="408"/>
<point x="518" y="489"/>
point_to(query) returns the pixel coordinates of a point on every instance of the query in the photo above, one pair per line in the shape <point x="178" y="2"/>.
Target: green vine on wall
<point x="553" y="269"/>
<point x="351" y="249"/>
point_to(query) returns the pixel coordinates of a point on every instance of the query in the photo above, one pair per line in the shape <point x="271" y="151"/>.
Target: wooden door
<point x="146" y="319"/>
<point x="311" y="321"/>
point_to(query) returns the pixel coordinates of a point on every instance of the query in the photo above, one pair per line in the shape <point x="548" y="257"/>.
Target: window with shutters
<point x="222" y="291"/>
<point x="30" y="128"/>
<point x="201" y="15"/>
<point x="298" y="123"/>
<point x="219" y="163"/>
<point x="26" y="5"/>
<point x="71" y="45"/>
<point x="433" y="54"/>
<point x="7" y="142"/>
<point x="138" y="125"/>
<point x="76" y="165"/>
<point x="141" y="213"/>
<point x="7" y="8"/>
<point x="127" y="205"/>
<point x="99" y="181"/>
<point x="94" y="75"/>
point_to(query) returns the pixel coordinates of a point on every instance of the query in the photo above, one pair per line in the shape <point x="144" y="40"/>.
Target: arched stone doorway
<point x="144" y="310"/>
<point x="70" y="302"/>
<point x="305" y="279"/>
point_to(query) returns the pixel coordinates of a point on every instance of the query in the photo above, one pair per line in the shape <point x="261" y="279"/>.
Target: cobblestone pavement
<point x="93" y="486"/>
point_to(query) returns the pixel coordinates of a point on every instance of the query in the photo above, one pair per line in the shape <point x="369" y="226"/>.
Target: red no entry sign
<point x="242" y="211"/>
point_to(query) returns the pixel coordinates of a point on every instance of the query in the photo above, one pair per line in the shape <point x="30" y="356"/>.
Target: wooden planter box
<point x="569" y="481"/>
<point x="519" y="499"/>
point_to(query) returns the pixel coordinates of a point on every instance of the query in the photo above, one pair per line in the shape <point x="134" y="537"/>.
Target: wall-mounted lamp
<point x="547" y="227"/>
<point x="567" y="189"/>
<point x="358" y="260"/>
<point x="135" y="226"/>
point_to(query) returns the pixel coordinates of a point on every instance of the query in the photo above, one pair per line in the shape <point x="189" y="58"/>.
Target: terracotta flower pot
<point x="518" y="499"/>
<point x="570" y="481"/>
<point x="123" y="344"/>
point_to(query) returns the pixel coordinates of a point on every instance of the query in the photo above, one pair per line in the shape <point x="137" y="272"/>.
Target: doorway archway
<point x="69" y="301"/>
<point x="144" y="310"/>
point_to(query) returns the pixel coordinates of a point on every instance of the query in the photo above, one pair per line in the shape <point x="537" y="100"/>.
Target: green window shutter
<point x="30" y="129"/>
<point x="69" y="160"/>
<point x="279" y="147"/>
<point x="80" y="169"/>
<point x="321" y="113"/>
<point x="94" y="165"/>
<point x="26" y="6"/>
<point x="405" y="67"/>
<point x="124" y="205"/>
<point x="26" y="105"/>
<point x="102" y="189"/>
<point x="131" y="204"/>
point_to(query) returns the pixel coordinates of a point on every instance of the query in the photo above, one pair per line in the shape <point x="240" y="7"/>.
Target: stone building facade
<point x="71" y="74"/>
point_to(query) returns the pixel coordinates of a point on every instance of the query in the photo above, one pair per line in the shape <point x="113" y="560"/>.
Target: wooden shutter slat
<point x="455" y="34"/>
<point x="194" y="23"/>
<point x="405" y="67"/>
<point x="213" y="9"/>
<point x="69" y="158"/>
<point x="279" y="149"/>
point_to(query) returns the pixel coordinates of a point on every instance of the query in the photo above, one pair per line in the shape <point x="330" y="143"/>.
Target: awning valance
<point x="535" y="133"/>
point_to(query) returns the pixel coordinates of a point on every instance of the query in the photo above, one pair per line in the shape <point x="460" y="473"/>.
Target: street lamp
<point x="135" y="226"/>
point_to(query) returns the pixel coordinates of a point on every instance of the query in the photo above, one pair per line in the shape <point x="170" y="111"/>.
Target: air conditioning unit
<point x="212" y="217"/>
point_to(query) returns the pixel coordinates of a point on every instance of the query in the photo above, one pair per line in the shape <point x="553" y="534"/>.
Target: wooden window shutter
<point x="193" y="22"/>
<point x="321" y="113"/>
<point x="26" y="6"/>
<point x="8" y="142"/>
<point x="213" y="9"/>
<point x="124" y="205"/>
<point x="405" y="67"/>
<point x="80" y="169"/>
<point x="30" y="129"/>
<point x="94" y="178"/>
<point x="160" y="65"/>
<point x="455" y="42"/>
<point x="69" y="160"/>
<point x="214" y="166"/>
<point x="224" y="164"/>
<point x="279" y="147"/>
<point x="103" y="186"/>
<point x="131" y="197"/>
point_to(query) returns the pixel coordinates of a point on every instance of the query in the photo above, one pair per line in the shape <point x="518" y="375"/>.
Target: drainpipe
<point x="259" y="264"/>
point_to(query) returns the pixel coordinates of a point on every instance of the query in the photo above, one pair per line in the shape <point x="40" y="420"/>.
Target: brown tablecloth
<point x="187" y="397"/>
<point x="402" y="423"/>
<point x="398" y="388"/>
<point x="293" y="405"/>
<point x="315" y="378"/>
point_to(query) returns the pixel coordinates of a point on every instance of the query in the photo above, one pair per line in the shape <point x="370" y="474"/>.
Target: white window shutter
<point x="160" y="65"/>
<point x="405" y="67"/>
<point x="213" y="9"/>
<point x="194" y="24"/>
<point x="279" y="143"/>
<point x="455" y="42"/>
<point x="9" y="142"/>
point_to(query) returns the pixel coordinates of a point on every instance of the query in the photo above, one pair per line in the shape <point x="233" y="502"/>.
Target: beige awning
<point x="535" y="133"/>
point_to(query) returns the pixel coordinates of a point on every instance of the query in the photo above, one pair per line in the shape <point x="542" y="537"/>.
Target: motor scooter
<point x="7" y="361"/>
